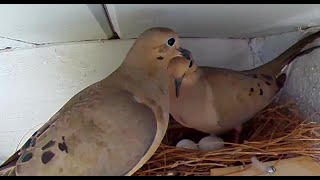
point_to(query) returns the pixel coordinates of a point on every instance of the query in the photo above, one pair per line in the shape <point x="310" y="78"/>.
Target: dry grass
<point x="277" y="132"/>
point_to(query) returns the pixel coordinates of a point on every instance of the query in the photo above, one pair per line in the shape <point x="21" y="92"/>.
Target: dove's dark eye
<point x="171" y="42"/>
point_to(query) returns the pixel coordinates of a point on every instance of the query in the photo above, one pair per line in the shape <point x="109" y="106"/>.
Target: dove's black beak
<point x="177" y="83"/>
<point x="185" y="53"/>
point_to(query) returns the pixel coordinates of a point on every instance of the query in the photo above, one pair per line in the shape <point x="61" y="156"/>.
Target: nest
<point x="277" y="132"/>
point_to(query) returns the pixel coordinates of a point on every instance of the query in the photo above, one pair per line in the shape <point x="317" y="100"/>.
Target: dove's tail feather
<point x="10" y="171"/>
<point x="274" y="67"/>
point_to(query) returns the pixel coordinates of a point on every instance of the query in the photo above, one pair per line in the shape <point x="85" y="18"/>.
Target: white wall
<point x="49" y="23"/>
<point x="214" y="20"/>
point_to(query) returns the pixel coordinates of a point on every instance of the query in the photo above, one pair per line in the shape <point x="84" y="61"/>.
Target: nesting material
<point x="276" y="133"/>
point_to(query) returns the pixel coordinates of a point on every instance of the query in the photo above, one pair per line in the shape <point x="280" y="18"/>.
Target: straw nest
<point x="278" y="132"/>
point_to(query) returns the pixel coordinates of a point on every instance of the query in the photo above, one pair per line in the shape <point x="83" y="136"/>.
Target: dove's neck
<point x="142" y="79"/>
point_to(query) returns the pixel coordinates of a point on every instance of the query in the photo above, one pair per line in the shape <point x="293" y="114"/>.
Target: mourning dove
<point x="215" y="100"/>
<point x="113" y="126"/>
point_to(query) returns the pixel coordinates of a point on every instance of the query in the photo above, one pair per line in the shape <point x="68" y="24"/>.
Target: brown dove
<point x="216" y="100"/>
<point x="113" y="126"/>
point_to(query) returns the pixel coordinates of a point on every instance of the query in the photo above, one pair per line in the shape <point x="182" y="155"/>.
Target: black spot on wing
<point x="160" y="57"/>
<point x="47" y="156"/>
<point x="26" y="157"/>
<point x="269" y="84"/>
<point x="63" y="146"/>
<point x="261" y="92"/>
<point x="48" y="145"/>
<point x="251" y="90"/>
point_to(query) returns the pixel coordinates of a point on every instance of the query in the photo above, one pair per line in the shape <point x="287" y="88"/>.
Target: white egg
<point x="210" y="143"/>
<point x="187" y="144"/>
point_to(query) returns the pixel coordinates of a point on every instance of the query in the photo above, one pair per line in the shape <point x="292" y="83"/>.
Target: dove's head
<point x="178" y="68"/>
<point x="157" y="46"/>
